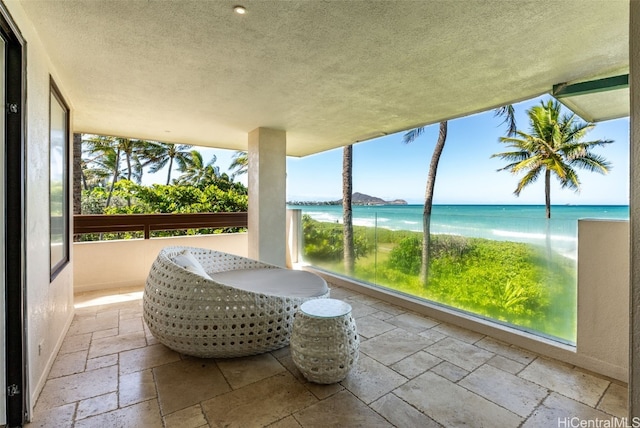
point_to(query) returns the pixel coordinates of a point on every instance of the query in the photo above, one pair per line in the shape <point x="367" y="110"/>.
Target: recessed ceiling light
<point x="240" y="10"/>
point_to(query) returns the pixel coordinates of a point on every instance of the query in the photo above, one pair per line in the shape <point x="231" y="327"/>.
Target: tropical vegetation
<point x="112" y="170"/>
<point x="517" y="283"/>
<point x="553" y="146"/>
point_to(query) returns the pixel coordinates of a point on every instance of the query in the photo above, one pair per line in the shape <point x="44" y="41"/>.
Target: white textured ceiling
<point x="328" y="72"/>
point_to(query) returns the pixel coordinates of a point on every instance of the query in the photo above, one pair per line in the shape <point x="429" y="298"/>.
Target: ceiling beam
<point x="562" y="90"/>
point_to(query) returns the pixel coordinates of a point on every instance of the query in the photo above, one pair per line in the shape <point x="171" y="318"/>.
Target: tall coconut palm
<point x="428" y="197"/>
<point x="509" y="118"/>
<point x="347" y="215"/>
<point x="158" y="155"/>
<point x="554" y="146"/>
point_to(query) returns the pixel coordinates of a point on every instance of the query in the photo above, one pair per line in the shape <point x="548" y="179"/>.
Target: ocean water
<point x="519" y="223"/>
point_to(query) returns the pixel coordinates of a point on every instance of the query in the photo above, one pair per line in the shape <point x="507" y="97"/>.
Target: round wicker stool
<point x="324" y="341"/>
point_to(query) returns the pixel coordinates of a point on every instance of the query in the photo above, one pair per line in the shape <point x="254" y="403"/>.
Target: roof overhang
<point x="596" y="100"/>
<point x="329" y="73"/>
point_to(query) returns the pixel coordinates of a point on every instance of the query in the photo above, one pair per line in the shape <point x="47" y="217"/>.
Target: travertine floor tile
<point x="412" y="322"/>
<point x="240" y="372"/>
<point x="433" y="336"/>
<point x="321" y="391"/>
<point x="359" y="310"/>
<point x="146" y="414"/>
<point x="191" y="417"/>
<point x="416" y="364"/>
<point x="382" y="315"/>
<point x="105" y="333"/>
<point x="509" y="391"/>
<point x="567" y="381"/>
<point x="388" y="308"/>
<point x="341" y="293"/>
<point x="458" y="333"/>
<point x="512" y="352"/>
<point x="393" y="346"/>
<point x="362" y="298"/>
<point x="96" y="405"/>
<point x="67" y="389"/>
<point x="130" y="325"/>
<point x="76" y="343"/>
<point x="557" y="410"/>
<point x="450" y="371"/>
<point x="462" y="354"/>
<point x="506" y="364"/>
<point x="370" y="326"/>
<point x="66" y="364"/>
<point x="614" y="401"/>
<point x="58" y="417"/>
<point x="258" y="404"/>
<point x="340" y="410"/>
<point x="146" y="358"/>
<point x="98" y="323"/>
<point x="115" y="344"/>
<point x="136" y="387"/>
<point x="370" y="380"/>
<point x="185" y="383"/>
<point x="288" y="422"/>
<point x="451" y="405"/>
<point x="100" y="362"/>
<point x="432" y="376"/>
<point x="402" y="414"/>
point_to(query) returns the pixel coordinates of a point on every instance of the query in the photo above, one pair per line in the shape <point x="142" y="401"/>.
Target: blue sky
<point x="390" y="169"/>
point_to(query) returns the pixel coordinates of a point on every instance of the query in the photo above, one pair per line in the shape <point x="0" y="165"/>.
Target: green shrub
<point x="324" y="242"/>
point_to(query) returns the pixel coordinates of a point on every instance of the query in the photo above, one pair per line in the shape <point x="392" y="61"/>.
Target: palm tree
<point x="158" y="155"/>
<point x="196" y="173"/>
<point x="428" y="198"/>
<point x="108" y="152"/>
<point x="107" y="156"/>
<point x="240" y="163"/>
<point x="509" y="118"/>
<point x="554" y="146"/>
<point x="347" y="215"/>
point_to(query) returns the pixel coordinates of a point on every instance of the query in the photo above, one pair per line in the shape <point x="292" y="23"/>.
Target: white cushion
<point x="187" y="261"/>
<point x="279" y="282"/>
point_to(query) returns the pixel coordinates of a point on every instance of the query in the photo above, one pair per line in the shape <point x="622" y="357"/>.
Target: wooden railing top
<point x="101" y="223"/>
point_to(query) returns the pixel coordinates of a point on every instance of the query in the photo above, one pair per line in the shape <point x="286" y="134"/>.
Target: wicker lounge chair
<point x="223" y="305"/>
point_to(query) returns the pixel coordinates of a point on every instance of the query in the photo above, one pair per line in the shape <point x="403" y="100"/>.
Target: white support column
<point x="634" y="212"/>
<point x="267" y="195"/>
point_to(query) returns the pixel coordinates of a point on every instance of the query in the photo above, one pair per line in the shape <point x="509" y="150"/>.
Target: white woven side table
<point x="324" y="341"/>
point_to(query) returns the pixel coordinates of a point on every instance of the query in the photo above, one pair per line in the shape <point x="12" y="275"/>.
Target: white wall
<point x="126" y="263"/>
<point x="603" y="295"/>
<point x="49" y="305"/>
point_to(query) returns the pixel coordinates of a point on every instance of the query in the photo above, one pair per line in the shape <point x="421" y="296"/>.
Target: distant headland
<point x="357" y="199"/>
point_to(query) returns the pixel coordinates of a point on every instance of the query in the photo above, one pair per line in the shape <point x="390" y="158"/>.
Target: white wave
<point x="535" y="236"/>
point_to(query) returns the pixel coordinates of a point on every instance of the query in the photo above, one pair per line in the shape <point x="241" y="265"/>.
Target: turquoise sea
<point x="521" y="223"/>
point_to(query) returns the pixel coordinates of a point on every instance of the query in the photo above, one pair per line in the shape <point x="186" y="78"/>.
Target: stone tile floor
<point x="412" y="372"/>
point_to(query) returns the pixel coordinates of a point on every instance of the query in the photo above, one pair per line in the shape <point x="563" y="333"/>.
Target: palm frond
<point x="509" y="115"/>
<point x="529" y="178"/>
<point x="592" y="163"/>
<point x="412" y="135"/>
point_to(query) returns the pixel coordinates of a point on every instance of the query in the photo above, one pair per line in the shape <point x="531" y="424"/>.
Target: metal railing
<point x="99" y="223"/>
